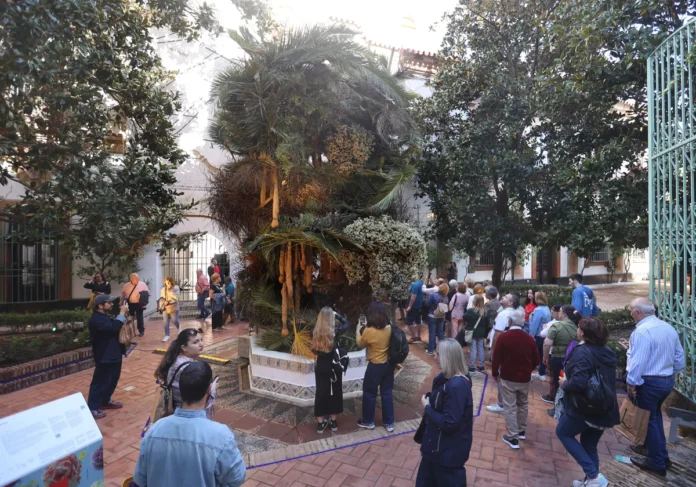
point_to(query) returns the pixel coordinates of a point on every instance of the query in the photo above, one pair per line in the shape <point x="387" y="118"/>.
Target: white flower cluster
<point x="395" y="255"/>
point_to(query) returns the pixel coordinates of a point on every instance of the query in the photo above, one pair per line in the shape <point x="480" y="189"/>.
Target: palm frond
<point x="328" y="241"/>
<point x="393" y="184"/>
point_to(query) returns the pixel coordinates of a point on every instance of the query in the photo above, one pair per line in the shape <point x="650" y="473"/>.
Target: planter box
<point x="42" y="370"/>
<point x="291" y="378"/>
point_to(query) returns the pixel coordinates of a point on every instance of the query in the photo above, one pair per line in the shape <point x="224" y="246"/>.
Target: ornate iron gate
<point x="672" y="146"/>
<point x="182" y="265"/>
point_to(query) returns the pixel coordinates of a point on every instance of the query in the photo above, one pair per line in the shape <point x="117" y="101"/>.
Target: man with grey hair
<point x="132" y="294"/>
<point x="514" y="359"/>
<point x="654" y="356"/>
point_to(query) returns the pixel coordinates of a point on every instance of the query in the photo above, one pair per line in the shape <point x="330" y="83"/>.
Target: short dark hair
<point x="194" y="381"/>
<point x="576" y="277"/>
<point x="515" y="301"/>
<point x="556" y="307"/>
<point x="595" y="332"/>
<point x="377" y="315"/>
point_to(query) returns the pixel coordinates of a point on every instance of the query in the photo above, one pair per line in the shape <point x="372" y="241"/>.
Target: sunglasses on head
<point x="193" y="331"/>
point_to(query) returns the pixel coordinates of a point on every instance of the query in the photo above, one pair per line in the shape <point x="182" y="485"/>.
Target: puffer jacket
<point x="449" y="420"/>
<point x="578" y="370"/>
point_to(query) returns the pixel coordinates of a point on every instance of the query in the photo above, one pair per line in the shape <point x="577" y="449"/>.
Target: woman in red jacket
<point x="529" y="305"/>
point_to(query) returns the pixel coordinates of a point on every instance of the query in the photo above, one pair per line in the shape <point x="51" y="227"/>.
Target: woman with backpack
<point x="437" y="305"/>
<point x="187" y="347"/>
<point x="374" y="336"/>
<point x="328" y="400"/>
<point x="448" y="420"/>
<point x="477" y="322"/>
<point x="590" y="356"/>
<point x="557" y="340"/>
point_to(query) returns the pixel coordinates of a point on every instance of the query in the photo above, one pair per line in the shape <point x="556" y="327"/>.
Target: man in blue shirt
<point x="106" y="350"/>
<point x="229" y="301"/>
<point x="583" y="297"/>
<point x="187" y="448"/>
<point x="413" y="311"/>
<point x="655" y="355"/>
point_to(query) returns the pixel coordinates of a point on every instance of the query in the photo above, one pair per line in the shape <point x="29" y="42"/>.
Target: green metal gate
<point x="672" y="146"/>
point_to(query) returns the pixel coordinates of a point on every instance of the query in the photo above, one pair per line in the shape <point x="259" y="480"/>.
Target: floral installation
<point x="68" y="468"/>
<point x="394" y="255"/>
<point x="98" y="458"/>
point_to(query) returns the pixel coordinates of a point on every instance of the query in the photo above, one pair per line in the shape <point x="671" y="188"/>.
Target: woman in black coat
<point x="590" y="354"/>
<point x="449" y="420"/>
<point x="328" y="398"/>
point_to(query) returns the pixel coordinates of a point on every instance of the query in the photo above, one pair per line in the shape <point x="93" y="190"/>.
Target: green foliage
<point x="24" y="348"/>
<point x="538" y="120"/>
<point x="272" y="339"/>
<point x="79" y="77"/>
<point x="22" y="320"/>
<point x="621" y="353"/>
<point x="555" y="294"/>
<point x="616" y="319"/>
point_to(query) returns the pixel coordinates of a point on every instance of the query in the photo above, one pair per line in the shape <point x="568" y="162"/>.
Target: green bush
<point x="555" y="294"/>
<point x="616" y="319"/>
<point x="23" y="348"/>
<point x="21" y="320"/>
<point x="620" y="353"/>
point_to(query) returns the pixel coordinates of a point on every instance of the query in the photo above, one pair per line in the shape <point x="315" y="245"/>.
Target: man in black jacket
<point x="106" y="349"/>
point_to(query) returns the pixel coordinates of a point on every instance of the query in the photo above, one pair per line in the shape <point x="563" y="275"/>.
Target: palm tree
<point x="306" y="117"/>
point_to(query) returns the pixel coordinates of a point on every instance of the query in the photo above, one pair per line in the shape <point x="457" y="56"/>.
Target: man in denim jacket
<point x="187" y="448"/>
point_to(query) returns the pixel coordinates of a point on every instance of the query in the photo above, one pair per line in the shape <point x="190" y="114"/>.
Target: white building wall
<point x="564" y="261"/>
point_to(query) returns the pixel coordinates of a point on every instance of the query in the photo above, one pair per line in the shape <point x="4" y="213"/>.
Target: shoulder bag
<point x="469" y="334"/>
<point x="164" y="404"/>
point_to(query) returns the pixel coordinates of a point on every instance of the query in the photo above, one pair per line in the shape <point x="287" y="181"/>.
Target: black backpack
<point x="598" y="398"/>
<point x="339" y="361"/>
<point x="398" y="346"/>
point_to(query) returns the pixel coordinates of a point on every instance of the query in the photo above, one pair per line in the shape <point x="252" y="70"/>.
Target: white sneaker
<point x="542" y="378"/>
<point x="494" y="408"/>
<point x="600" y="481"/>
<point x="165" y="339"/>
<point x="535" y="376"/>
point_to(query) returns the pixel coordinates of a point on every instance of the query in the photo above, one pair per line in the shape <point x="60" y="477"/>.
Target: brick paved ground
<point x="541" y="461"/>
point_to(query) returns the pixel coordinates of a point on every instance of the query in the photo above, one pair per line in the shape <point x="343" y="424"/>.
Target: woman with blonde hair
<point x="479" y="290"/>
<point x="169" y="304"/>
<point x="437" y="305"/>
<point x="449" y="419"/>
<point x="217" y="301"/>
<point x="328" y="399"/>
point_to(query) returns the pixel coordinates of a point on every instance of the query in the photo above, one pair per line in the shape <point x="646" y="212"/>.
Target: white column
<point x="564" y="261"/>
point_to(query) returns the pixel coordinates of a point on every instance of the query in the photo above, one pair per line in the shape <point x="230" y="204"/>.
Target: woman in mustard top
<point x="380" y="373"/>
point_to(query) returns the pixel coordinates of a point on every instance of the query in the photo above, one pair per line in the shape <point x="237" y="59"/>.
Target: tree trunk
<point x="497" y="268"/>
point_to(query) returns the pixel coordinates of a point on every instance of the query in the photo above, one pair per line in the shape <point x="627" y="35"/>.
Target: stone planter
<point x="43" y="370"/>
<point x="291" y="378"/>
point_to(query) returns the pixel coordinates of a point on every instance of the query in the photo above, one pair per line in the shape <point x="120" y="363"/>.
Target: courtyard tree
<point x="85" y="124"/>
<point x="319" y="134"/>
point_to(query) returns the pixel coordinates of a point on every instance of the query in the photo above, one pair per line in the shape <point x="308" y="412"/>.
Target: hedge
<point x="618" y="318"/>
<point x="21" y="320"/>
<point x="555" y="294"/>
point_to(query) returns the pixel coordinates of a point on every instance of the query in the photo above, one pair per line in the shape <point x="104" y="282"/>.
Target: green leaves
<point x="79" y="78"/>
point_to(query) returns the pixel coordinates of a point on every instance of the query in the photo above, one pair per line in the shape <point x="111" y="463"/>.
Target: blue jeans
<point x="584" y="451"/>
<point x="435" y="325"/>
<point x="167" y="318"/>
<point x="431" y="474"/>
<point x="201" y="305"/>
<point x="478" y="351"/>
<point x="540" y="347"/>
<point x="382" y="376"/>
<point x="650" y="396"/>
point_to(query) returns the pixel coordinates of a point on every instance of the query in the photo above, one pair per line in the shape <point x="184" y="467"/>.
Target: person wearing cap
<point x="106" y="350"/>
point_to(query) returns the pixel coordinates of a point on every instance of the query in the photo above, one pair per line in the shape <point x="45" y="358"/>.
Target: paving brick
<point x="351" y="470"/>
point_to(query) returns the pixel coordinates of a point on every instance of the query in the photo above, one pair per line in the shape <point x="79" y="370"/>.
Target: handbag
<point x="127" y="332"/>
<point x="598" y="399"/>
<point x="164" y="404"/>
<point x="469" y="334"/>
<point x="634" y="422"/>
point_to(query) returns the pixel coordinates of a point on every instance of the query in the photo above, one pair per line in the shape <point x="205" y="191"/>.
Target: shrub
<point x="556" y="294"/>
<point x="23" y="348"/>
<point x="394" y="255"/>
<point x="620" y="353"/>
<point x="22" y="320"/>
<point x="618" y="318"/>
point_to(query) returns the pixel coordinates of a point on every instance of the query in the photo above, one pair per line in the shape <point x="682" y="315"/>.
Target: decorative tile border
<point x="302" y="396"/>
<point x="43" y="370"/>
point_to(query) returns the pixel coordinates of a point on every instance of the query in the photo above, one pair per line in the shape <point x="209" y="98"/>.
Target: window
<point x="485" y="259"/>
<point x="28" y="267"/>
<point x="601" y="256"/>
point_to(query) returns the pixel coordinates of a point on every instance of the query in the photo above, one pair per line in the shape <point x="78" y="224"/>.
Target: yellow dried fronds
<point x="302" y="345"/>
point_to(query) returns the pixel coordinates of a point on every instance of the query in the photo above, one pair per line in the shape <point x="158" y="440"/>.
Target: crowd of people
<point x="467" y="324"/>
